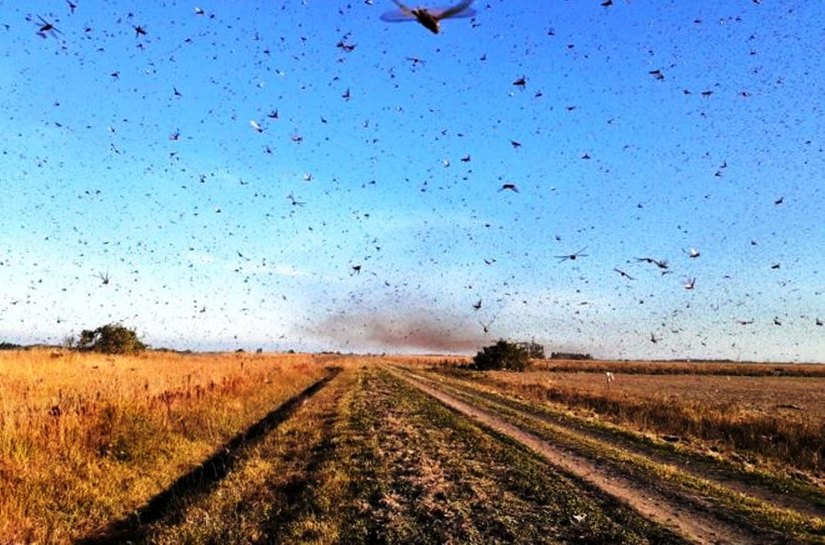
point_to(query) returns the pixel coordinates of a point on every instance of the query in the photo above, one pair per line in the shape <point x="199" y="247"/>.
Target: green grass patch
<point x="437" y="477"/>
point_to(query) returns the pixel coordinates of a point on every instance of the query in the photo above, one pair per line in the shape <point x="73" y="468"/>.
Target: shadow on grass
<point x="203" y="478"/>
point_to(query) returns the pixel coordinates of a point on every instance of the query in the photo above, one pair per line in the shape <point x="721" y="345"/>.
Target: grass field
<point x="769" y="420"/>
<point x="84" y="438"/>
<point x="255" y="448"/>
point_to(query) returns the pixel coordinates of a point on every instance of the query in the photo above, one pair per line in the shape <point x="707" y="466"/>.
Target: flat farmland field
<point x="260" y="448"/>
<point x="779" y="420"/>
<point x="786" y="398"/>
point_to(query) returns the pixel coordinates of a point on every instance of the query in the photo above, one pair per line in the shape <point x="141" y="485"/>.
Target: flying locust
<point x="429" y="18"/>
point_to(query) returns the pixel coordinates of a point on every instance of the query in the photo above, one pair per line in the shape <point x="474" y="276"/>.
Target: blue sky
<point x="366" y="214"/>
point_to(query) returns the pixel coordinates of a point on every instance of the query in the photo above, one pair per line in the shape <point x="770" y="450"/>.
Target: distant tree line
<point x="570" y="356"/>
<point x="534" y="350"/>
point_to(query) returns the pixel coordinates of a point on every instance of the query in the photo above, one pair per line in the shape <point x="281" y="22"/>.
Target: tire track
<point x="799" y="502"/>
<point x="204" y="477"/>
<point x="697" y="527"/>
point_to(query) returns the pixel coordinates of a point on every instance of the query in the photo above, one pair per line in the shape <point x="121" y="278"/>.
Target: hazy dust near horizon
<point x="418" y="331"/>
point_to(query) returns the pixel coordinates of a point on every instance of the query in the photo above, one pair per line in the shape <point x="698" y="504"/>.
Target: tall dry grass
<point x="773" y="420"/>
<point x="85" y="438"/>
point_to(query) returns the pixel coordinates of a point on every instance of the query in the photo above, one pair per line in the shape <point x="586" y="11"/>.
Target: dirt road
<point x="694" y="525"/>
<point x="379" y="454"/>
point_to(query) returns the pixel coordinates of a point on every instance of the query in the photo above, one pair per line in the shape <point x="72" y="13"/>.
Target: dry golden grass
<point x="774" y="419"/>
<point x="85" y="438"/>
<point x="792" y="399"/>
<point x="770" y="413"/>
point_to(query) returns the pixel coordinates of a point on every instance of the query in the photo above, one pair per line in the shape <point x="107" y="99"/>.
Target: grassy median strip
<point x="86" y="439"/>
<point x="429" y="475"/>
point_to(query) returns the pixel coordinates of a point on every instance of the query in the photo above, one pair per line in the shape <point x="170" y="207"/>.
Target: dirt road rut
<point x="698" y="527"/>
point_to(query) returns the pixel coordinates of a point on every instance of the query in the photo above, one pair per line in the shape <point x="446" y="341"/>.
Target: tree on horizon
<point x="110" y="339"/>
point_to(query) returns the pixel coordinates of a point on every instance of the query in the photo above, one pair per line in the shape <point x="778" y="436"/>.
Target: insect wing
<point x="444" y="13"/>
<point x="455" y="11"/>
<point x="397" y="16"/>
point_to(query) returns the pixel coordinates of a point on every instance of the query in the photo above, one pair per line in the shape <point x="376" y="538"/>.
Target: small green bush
<point x="502" y="355"/>
<point x="110" y="339"/>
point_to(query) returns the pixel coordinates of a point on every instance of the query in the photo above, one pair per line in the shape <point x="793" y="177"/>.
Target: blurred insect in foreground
<point x="431" y="19"/>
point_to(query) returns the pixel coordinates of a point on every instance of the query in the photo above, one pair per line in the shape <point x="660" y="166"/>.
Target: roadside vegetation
<point x="282" y="491"/>
<point x="761" y="421"/>
<point x="781" y="507"/>
<point x="86" y="438"/>
<point x="242" y="448"/>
